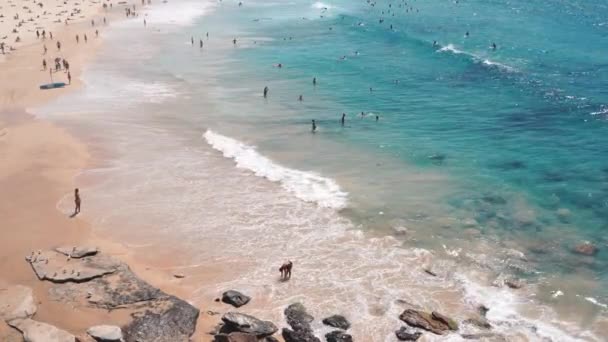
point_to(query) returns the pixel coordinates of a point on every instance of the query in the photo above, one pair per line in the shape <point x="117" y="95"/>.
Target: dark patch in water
<point x="494" y="199"/>
<point x="553" y="176"/>
<point x="438" y="158"/>
<point x="511" y="165"/>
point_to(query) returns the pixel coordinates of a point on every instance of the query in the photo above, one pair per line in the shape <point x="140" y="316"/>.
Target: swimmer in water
<point x="314" y="126"/>
<point x="467" y="34"/>
<point x="343" y="119"/>
<point x="314" y="81"/>
<point x="300" y="98"/>
<point x="265" y="92"/>
<point x="234" y="41"/>
<point x="434" y="43"/>
<point x="493" y="46"/>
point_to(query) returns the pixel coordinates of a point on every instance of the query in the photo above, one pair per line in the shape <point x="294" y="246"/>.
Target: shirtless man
<point x="76" y="201"/>
<point x="285" y="270"/>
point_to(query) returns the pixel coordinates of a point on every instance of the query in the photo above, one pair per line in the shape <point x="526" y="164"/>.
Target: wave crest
<point x="307" y="186"/>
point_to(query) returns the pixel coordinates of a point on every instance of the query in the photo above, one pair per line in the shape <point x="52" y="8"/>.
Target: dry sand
<point x="39" y="161"/>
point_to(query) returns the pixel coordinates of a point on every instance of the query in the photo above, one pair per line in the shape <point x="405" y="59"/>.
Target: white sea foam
<point x="321" y="5"/>
<point x="178" y="13"/>
<point x="307" y="186"/>
<point x="477" y="59"/>
<point x="594" y="301"/>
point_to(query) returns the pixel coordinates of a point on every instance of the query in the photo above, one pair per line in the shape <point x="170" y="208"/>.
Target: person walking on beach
<point x="44" y="64"/>
<point x="59" y="45"/>
<point x="285" y="270"/>
<point x="70" y="82"/>
<point x="86" y="40"/>
<point x="314" y="126"/>
<point x="44" y="48"/>
<point x="51" y="35"/>
<point x="234" y="42"/>
<point x="96" y="33"/>
<point x="265" y="92"/>
<point x="76" y="202"/>
<point x="192" y="40"/>
<point x="144" y="22"/>
<point x="342" y="121"/>
<point x="77" y="39"/>
<point x="200" y="43"/>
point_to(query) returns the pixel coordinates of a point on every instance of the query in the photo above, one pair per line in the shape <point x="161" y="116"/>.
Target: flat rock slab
<point x="235" y="298"/>
<point x="34" y="331"/>
<point x="337" y="321"/>
<point x="77" y="251"/>
<point x="338" y="336"/>
<point x="58" y="268"/>
<point x="105" y="333"/>
<point x="17" y="302"/>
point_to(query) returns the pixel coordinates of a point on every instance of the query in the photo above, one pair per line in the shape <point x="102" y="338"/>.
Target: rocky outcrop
<point x="17" y="302"/>
<point x="105" y="333"/>
<point x="239" y="322"/>
<point x="479" y="322"/>
<point x="34" y="331"/>
<point x="489" y="337"/>
<point x="586" y="248"/>
<point x="337" y="321"/>
<point x="107" y="283"/>
<point x="299" y="320"/>
<point x="338" y="336"/>
<point x="433" y="322"/>
<point x="235" y="298"/>
<point x="77" y="251"/>
<point x="404" y="335"/>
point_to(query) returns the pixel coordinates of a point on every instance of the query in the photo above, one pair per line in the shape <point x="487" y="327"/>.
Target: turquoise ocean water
<point x="492" y="159"/>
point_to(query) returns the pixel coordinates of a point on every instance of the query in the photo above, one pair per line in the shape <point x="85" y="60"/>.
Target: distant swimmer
<point x="314" y="126"/>
<point x="200" y="43"/>
<point x="234" y="41"/>
<point x="362" y="114"/>
<point x="377" y="117"/>
<point x="192" y="40"/>
<point x="240" y="4"/>
<point x="314" y="81"/>
<point x="265" y="92"/>
<point x="279" y="65"/>
<point x="493" y="46"/>
<point x="434" y="43"/>
<point x="467" y="34"/>
<point x="207" y="35"/>
<point x="371" y="89"/>
<point x="343" y="120"/>
<point x="300" y="98"/>
<point x="145" y="23"/>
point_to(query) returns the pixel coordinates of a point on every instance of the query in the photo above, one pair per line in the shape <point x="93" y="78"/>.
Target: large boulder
<point x="34" y="331"/>
<point x="297" y="317"/>
<point x="235" y="298"/>
<point x="586" y="248"/>
<point x="435" y="322"/>
<point x="168" y="319"/>
<point x="338" y="336"/>
<point x="239" y="322"/>
<point x="17" y="302"/>
<point x="301" y="335"/>
<point x="404" y="335"/>
<point x="337" y="321"/>
<point x="105" y="333"/>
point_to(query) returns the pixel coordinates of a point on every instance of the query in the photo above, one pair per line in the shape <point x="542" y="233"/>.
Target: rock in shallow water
<point x="105" y="333"/>
<point x="586" y="248"/>
<point x="17" y="302"/>
<point x="435" y="322"/>
<point x="297" y="317"/>
<point x="305" y="335"/>
<point x="337" y="321"/>
<point x="404" y="335"/>
<point x="34" y="331"/>
<point x="238" y="322"/>
<point x="235" y="298"/>
<point x="338" y="336"/>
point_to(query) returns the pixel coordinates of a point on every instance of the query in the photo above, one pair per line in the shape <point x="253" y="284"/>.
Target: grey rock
<point x="77" y="251"/>
<point x="514" y="283"/>
<point x="34" y="331"/>
<point x="297" y="317"/>
<point x="337" y="321"/>
<point x="480" y="322"/>
<point x="17" y="302"/>
<point x="338" y="336"/>
<point x="168" y="319"/>
<point x="235" y="298"/>
<point x="445" y="319"/>
<point x="239" y="322"/>
<point x="404" y="335"/>
<point x="303" y="335"/>
<point x="105" y="333"/>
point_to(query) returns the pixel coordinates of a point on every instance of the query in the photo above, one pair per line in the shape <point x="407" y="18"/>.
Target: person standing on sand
<point x="51" y="35"/>
<point x="44" y="64"/>
<point x="2" y="48"/>
<point x="86" y="40"/>
<point x="343" y="118"/>
<point x="314" y="81"/>
<point x="265" y="92"/>
<point x="200" y="41"/>
<point x="70" y="82"/>
<point x="76" y="202"/>
<point x="44" y="48"/>
<point x="59" y="45"/>
<point x="192" y="40"/>
<point x="145" y="23"/>
<point x="77" y="39"/>
<point x="285" y="270"/>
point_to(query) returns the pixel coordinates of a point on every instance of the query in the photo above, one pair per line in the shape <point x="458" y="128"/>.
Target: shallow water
<point x="487" y="163"/>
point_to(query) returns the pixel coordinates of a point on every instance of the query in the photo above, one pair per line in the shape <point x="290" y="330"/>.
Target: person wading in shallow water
<point x="285" y="270"/>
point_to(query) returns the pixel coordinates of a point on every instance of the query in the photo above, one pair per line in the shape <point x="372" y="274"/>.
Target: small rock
<point x="34" y="331"/>
<point x="297" y="317"/>
<point x="337" y="321"/>
<point x="105" y="333"/>
<point x="480" y="322"/>
<point x="514" y="283"/>
<point x="179" y="275"/>
<point x="338" y="336"/>
<point x="404" y="335"/>
<point x="238" y="322"/>
<point x="235" y="298"/>
<point x="299" y="335"/>
<point x="17" y="302"/>
<point x="446" y="320"/>
<point x="435" y="322"/>
<point x="470" y="223"/>
<point x="400" y="230"/>
<point x="586" y="248"/>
